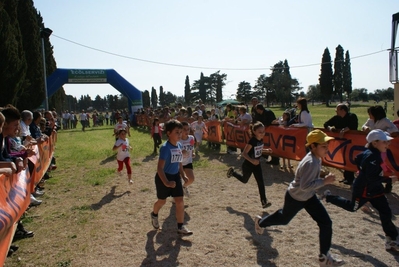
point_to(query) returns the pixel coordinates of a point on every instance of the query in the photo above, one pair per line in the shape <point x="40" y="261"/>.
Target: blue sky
<point x="218" y="35"/>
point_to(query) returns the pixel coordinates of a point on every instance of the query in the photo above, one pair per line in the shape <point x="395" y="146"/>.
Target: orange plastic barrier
<point x="290" y="143"/>
<point x="15" y="193"/>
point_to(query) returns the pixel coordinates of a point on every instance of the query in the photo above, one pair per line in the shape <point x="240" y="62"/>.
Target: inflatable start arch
<point x="81" y="76"/>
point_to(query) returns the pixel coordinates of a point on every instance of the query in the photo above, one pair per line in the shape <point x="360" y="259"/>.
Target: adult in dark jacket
<point x="266" y="116"/>
<point x="341" y="123"/>
<point x="368" y="186"/>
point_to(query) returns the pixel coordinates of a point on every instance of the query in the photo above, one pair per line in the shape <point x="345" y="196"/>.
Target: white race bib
<point x="258" y="151"/>
<point x="176" y="155"/>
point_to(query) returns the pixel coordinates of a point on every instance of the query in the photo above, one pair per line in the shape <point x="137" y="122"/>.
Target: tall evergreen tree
<point x="146" y="99"/>
<point x="202" y="88"/>
<point x="347" y="75"/>
<point x="217" y="81"/>
<point x="154" y="98"/>
<point x="33" y="91"/>
<point x="187" y="91"/>
<point x="161" y="97"/>
<point x="244" y="92"/>
<point x="326" y="76"/>
<point x="339" y="71"/>
<point x="13" y="64"/>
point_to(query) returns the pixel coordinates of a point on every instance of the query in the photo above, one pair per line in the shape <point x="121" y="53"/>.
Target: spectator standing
<point x="343" y="122"/>
<point x="156" y="134"/>
<point x="83" y="119"/>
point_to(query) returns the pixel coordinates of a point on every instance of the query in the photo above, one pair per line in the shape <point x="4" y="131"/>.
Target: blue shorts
<point x="163" y="191"/>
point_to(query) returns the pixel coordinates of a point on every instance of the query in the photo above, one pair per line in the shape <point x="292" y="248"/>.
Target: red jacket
<point x="159" y="130"/>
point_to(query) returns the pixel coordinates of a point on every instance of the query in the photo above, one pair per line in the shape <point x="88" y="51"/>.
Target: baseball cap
<point x="378" y="134"/>
<point x="317" y="136"/>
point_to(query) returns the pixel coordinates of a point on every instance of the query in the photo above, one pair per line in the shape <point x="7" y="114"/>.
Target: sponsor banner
<point x="87" y="76"/>
<point x="290" y="143"/>
<point x="15" y="192"/>
<point x="14" y="200"/>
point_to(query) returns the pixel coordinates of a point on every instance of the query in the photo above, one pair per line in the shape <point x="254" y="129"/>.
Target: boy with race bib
<point x="188" y="142"/>
<point x="169" y="174"/>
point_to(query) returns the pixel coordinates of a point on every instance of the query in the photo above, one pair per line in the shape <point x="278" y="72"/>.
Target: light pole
<point x="45" y="33"/>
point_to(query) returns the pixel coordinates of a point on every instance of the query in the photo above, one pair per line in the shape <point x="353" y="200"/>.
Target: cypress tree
<point x="326" y="76"/>
<point x="339" y="71"/>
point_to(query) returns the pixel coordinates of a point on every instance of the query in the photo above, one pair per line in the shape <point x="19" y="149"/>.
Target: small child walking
<point x="187" y="142"/>
<point x="156" y="134"/>
<point x="252" y="153"/>
<point x="198" y="128"/>
<point x="368" y="187"/>
<point x="169" y="174"/>
<point x="123" y="156"/>
<point x="301" y="194"/>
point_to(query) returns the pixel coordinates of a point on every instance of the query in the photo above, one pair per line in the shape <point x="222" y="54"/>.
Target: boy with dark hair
<point x="169" y="174"/>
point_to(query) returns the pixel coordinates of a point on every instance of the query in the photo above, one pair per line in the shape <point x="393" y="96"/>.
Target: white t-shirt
<point x="187" y="145"/>
<point x="120" y="126"/>
<point x="83" y="116"/>
<point x="24" y="129"/>
<point x="245" y="117"/>
<point x="198" y="127"/>
<point x="123" y="151"/>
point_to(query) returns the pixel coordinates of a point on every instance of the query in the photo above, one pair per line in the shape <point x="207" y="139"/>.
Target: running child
<point x="123" y="156"/>
<point x="198" y="128"/>
<point x="252" y="153"/>
<point x="121" y="125"/>
<point x="187" y="142"/>
<point x="169" y="174"/>
<point x="301" y="194"/>
<point x="156" y="134"/>
<point x="367" y="187"/>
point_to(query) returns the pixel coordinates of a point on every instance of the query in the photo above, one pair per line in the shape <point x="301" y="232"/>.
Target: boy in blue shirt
<point x="169" y="174"/>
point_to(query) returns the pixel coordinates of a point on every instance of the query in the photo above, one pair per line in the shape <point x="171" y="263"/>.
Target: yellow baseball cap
<point x="317" y="136"/>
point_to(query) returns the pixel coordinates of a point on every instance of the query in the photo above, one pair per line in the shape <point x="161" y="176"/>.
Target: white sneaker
<point x="186" y="192"/>
<point x="130" y="181"/>
<point x="154" y="221"/>
<point x="391" y="244"/>
<point x="259" y="230"/>
<point x="184" y="231"/>
<point x="330" y="260"/>
<point x="34" y="201"/>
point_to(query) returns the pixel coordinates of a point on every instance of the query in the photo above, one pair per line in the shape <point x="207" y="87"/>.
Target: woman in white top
<point x="244" y="118"/>
<point x="304" y="117"/>
<point x="378" y="120"/>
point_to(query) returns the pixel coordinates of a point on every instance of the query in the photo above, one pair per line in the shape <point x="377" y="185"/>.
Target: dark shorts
<point x="164" y="192"/>
<point x="188" y="166"/>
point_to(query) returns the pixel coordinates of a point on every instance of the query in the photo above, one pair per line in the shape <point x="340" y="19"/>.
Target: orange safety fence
<point x="15" y="193"/>
<point x="290" y="143"/>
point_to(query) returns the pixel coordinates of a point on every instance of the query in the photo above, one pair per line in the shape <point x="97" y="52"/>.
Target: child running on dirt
<point x="123" y="156"/>
<point x="198" y="128"/>
<point x="301" y="194"/>
<point x="252" y="153"/>
<point x="169" y="174"/>
<point x="368" y="187"/>
<point x="187" y="142"/>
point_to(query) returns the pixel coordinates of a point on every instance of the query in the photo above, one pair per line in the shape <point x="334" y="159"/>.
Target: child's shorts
<point x="163" y="191"/>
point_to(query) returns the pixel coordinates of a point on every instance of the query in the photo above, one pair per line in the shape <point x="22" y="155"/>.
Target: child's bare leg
<point x="179" y="209"/>
<point x="158" y="205"/>
<point x="190" y="176"/>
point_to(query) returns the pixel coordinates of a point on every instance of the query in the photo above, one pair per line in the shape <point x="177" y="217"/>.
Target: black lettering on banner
<point x="289" y="141"/>
<point x="3" y="219"/>
<point x="230" y="133"/>
<point x="341" y="149"/>
<point x="353" y="152"/>
<point x="240" y="136"/>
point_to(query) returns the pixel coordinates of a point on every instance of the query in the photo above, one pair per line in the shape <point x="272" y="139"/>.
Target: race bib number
<point x="176" y="155"/>
<point x="258" y="151"/>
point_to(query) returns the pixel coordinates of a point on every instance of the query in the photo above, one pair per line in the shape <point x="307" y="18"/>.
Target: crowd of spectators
<point x="19" y="133"/>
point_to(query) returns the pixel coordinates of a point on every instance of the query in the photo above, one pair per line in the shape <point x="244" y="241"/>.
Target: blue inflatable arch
<point x="89" y="76"/>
